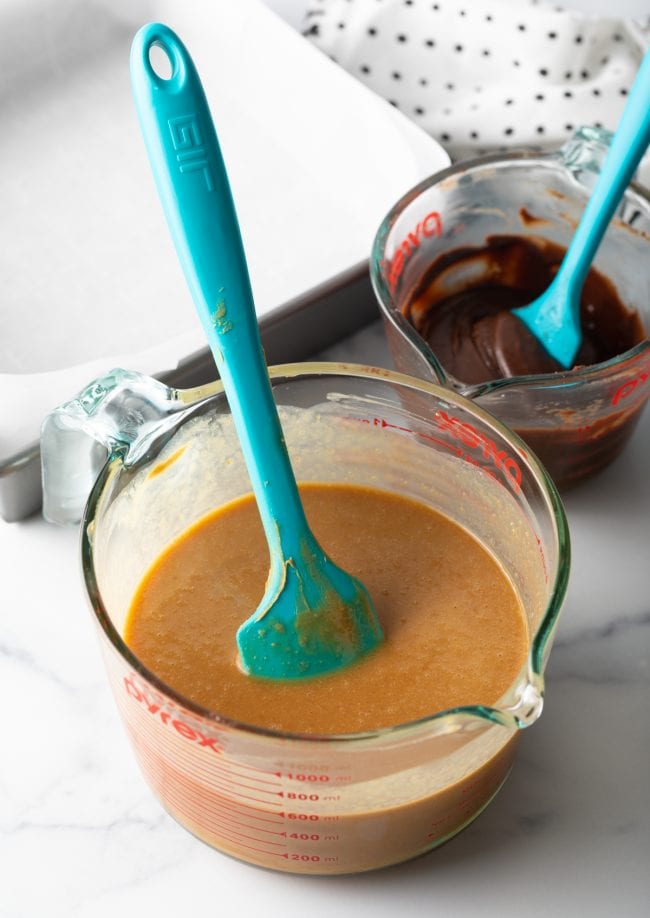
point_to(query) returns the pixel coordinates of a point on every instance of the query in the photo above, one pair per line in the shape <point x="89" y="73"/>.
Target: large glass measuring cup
<point x="307" y="804"/>
<point x="576" y="421"/>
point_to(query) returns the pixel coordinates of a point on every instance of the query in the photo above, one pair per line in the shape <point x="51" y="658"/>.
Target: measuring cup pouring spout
<point x="577" y="421"/>
<point x="168" y="457"/>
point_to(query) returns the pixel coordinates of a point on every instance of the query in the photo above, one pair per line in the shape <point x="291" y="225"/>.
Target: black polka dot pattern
<point x="486" y="75"/>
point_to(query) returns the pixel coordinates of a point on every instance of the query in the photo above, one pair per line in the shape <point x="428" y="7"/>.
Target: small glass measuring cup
<point x="579" y="421"/>
<point x="306" y="804"/>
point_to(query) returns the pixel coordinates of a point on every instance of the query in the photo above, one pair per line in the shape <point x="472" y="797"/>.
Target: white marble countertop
<point x="569" y="834"/>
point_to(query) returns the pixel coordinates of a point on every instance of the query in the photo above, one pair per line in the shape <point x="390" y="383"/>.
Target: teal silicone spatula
<point x="554" y="317"/>
<point x="314" y="618"/>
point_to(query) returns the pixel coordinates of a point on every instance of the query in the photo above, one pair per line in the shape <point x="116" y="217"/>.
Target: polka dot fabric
<point x="485" y="75"/>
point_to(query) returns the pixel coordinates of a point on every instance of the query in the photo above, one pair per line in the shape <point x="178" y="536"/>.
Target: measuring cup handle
<point x="120" y="413"/>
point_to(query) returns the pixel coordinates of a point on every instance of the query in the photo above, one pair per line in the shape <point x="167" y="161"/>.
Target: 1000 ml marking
<point x="305" y="777"/>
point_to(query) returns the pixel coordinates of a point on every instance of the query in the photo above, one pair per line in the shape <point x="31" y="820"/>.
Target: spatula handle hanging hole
<point x="161" y="60"/>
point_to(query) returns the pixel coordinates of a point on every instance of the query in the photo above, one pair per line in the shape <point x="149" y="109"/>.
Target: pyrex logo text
<point x="183" y="729"/>
<point x="430" y="226"/>
<point x="630" y="386"/>
<point x="474" y="439"/>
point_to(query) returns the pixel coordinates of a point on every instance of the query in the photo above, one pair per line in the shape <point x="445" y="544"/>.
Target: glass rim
<point x="279" y="374"/>
<point x="392" y="313"/>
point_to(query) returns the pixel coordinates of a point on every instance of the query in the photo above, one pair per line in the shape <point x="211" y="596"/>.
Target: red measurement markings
<point x="235" y="840"/>
<point x="261" y="829"/>
<point x="249" y="812"/>
<point x="210" y="812"/>
<point x="234" y="816"/>
<point x="210" y="768"/>
<point x="625" y="390"/>
<point x="430" y="226"/>
<point x="219" y="825"/>
<point x="260" y="790"/>
<point x="470" y="437"/>
<point x="225" y="769"/>
<point x="230" y="813"/>
<point x="262" y="771"/>
<point x="382" y="422"/>
<point x="184" y="796"/>
<point x="472" y="796"/>
<point x="540" y="548"/>
<point x="208" y="820"/>
<point x="234" y="833"/>
<point x="168" y="776"/>
<point x="262" y="851"/>
<point x="229" y="805"/>
<point x="239" y="794"/>
<point x="584" y="430"/>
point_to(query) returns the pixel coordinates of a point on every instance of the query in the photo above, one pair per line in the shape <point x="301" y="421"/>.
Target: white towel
<point x="486" y="75"/>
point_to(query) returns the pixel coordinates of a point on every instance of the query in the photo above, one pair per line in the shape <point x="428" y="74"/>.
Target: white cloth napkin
<point x="486" y="75"/>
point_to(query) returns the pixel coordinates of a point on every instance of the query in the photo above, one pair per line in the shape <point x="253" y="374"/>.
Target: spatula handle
<point x="193" y="186"/>
<point x="628" y="146"/>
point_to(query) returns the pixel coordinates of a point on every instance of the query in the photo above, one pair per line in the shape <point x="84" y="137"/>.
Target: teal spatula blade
<point x="554" y="317"/>
<point x="314" y="618"/>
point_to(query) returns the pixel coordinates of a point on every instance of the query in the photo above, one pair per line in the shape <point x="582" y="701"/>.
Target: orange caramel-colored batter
<point x="454" y="628"/>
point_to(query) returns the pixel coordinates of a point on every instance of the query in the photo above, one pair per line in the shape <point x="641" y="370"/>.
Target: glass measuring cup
<point x="576" y="421"/>
<point x="306" y="804"/>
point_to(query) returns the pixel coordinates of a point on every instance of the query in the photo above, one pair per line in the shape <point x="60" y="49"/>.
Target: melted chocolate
<point x="462" y="310"/>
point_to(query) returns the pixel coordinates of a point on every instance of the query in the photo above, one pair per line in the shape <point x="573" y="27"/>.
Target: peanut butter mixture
<point x="454" y="628"/>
